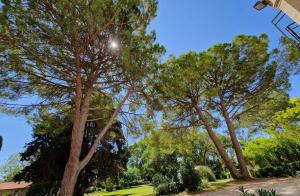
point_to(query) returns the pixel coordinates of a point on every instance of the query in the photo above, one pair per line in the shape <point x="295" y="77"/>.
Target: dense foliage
<point x="161" y="157"/>
<point x="206" y="173"/>
<point x="279" y="153"/>
<point x="290" y="55"/>
<point x="189" y="176"/>
<point x="47" y="155"/>
<point x="212" y="89"/>
<point x="160" y="152"/>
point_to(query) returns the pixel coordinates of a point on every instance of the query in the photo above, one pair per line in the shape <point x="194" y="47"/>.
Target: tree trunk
<point x="233" y="171"/>
<point x="69" y="179"/>
<point x="72" y="168"/>
<point x="236" y="145"/>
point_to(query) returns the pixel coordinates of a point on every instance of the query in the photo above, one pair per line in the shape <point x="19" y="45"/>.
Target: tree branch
<point x="103" y="132"/>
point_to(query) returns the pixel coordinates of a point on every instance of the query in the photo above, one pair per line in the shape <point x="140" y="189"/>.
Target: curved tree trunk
<point x="217" y="142"/>
<point x="236" y="145"/>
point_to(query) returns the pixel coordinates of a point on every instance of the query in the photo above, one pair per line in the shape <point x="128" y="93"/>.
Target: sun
<point x="114" y="44"/>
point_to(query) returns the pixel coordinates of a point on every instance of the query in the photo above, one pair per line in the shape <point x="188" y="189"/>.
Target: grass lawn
<point x="141" y="190"/>
<point x="146" y="190"/>
<point x="217" y="184"/>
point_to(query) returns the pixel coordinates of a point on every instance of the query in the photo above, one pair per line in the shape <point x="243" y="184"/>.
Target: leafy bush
<point x="189" y="176"/>
<point x="108" y="185"/>
<point x="218" y="168"/>
<point x="123" y="183"/>
<point x="90" y="189"/>
<point x="288" y="169"/>
<point x="162" y="189"/>
<point x="132" y="176"/>
<point x="278" y="154"/>
<point x="159" y="179"/>
<point x="163" y="185"/>
<point x="175" y="187"/>
<point x="225" y="175"/>
<point x="169" y="188"/>
<point x="206" y="173"/>
<point x="204" y="184"/>
<point x="261" y="192"/>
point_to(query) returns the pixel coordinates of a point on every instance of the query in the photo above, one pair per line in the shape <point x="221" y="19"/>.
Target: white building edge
<point x="289" y="7"/>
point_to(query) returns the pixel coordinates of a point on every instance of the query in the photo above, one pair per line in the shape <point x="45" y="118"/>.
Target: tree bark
<point x="236" y="145"/>
<point x="217" y="142"/>
<point x="72" y="168"/>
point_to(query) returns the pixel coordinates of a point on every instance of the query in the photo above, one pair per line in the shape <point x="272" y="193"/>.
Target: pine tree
<point x="66" y="51"/>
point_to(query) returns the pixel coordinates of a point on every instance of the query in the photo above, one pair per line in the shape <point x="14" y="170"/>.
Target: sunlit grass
<point x="217" y="184"/>
<point x="142" y="190"/>
<point x="146" y="190"/>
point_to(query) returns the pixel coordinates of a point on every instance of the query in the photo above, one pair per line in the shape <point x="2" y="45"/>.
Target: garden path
<point x="283" y="186"/>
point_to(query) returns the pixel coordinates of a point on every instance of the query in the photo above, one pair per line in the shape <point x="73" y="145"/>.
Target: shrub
<point x="225" y="175"/>
<point x="204" y="184"/>
<point x="90" y="189"/>
<point x="123" y="183"/>
<point x="278" y="155"/>
<point x="175" y="187"/>
<point x="290" y="169"/>
<point x="162" y="189"/>
<point x="206" y="173"/>
<point x="108" y="185"/>
<point x="163" y="185"/>
<point x="118" y="187"/>
<point x="261" y="192"/>
<point x="132" y="176"/>
<point x="189" y="176"/>
<point x="159" y="179"/>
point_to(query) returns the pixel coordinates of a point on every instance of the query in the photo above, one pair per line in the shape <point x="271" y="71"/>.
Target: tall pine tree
<point x="62" y="51"/>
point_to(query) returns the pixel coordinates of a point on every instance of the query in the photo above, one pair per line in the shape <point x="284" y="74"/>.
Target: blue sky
<point x="181" y="25"/>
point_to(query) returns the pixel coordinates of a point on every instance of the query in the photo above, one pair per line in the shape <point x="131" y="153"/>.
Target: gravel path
<point x="283" y="186"/>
